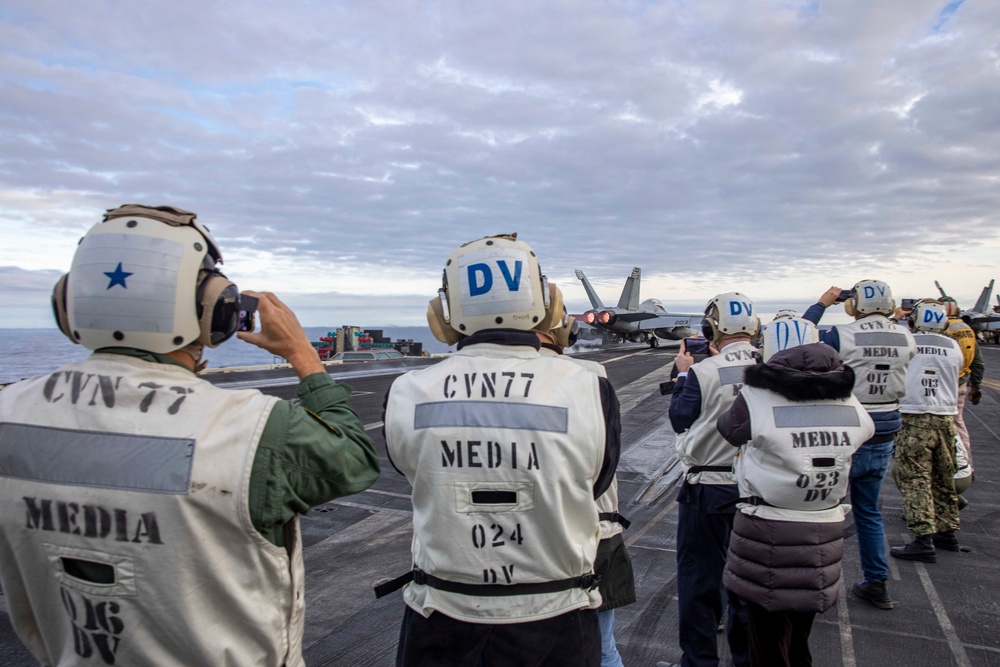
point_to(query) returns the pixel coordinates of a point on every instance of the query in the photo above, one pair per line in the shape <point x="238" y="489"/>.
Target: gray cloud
<point x="706" y="142"/>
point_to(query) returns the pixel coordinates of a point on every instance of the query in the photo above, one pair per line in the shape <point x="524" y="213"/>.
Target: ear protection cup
<point x="850" y="306"/>
<point x="218" y="301"/>
<point x="554" y="310"/>
<point x="59" y="307"/>
<point x="439" y="326"/>
<point x="708" y="330"/>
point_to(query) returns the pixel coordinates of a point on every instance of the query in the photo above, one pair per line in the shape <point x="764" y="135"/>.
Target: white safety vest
<point x="720" y="378"/>
<point x="799" y="456"/>
<point x="878" y="350"/>
<point x="125" y="533"/>
<point x="932" y="378"/>
<point x="503" y="447"/>
<point x="608" y="502"/>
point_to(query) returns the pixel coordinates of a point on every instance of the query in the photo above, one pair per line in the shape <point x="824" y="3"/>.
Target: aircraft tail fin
<point x="983" y="304"/>
<point x="940" y="289"/>
<point x="630" y="293"/>
<point x="595" y="300"/>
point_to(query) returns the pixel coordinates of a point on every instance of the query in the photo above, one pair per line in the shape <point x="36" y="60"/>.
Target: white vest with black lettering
<point x="125" y="533"/>
<point x="799" y="456"/>
<point x="503" y="447"/>
<point x="720" y="378"/>
<point x="878" y="350"/>
<point x="932" y="378"/>
<point x="608" y="502"/>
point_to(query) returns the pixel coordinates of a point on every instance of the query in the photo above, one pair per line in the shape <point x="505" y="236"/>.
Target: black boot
<point x="874" y="592"/>
<point x="922" y="549"/>
<point x="948" y="540"/>
<point x="962" y="503"/>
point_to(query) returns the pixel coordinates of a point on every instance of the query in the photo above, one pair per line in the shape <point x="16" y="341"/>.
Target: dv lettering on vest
<point x="97" y="628"/>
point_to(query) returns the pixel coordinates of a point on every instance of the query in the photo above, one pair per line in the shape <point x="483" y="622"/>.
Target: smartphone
<point x="845" y="294"/>
<point x="248" y="309"/>
<point x="908" y="304"/>
<point x="696" y="345"/>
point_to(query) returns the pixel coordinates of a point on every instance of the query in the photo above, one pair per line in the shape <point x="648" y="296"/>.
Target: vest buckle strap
<point x="614" y="517"/>
<point x="588" y="582"/>
<point x="383" y="587"/>
<point x="693" y="470"/>
<point x="756" y="501"/>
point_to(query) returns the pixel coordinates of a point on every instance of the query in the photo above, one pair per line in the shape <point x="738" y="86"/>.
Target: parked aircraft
<point x="630" y="320"/>
<point x="979" y="316"/>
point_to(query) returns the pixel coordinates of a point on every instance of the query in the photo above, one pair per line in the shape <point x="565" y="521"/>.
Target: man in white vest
<point x="613" y="564"/>
<point x="704" y="391"/>
<point x="507" y="451"/>
<point x="925" y="447"/>
<point x="148" y="517"/>
<point x="878" y="349"/>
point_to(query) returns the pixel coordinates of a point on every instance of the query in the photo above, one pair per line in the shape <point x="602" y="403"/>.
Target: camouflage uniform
<point x="925" y="471"/>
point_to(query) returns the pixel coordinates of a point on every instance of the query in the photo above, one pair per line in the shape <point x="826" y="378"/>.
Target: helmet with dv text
<point x="870" y="297"/>
<point x="492" y="283"/>
<point x="785" y="332"/>
<point x="730" y="314"/>
<point x="146" y="278"/>
<point x="929" y="315"/>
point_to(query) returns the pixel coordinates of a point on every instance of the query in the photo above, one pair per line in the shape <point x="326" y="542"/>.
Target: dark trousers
<point x="702" y="545"/>
<point x="779" y="638"/>
<point x="573" y="638"/>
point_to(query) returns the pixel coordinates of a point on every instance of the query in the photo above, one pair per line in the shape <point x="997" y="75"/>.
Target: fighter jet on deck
<point x="633" y="321"/>
<point x="979" y="316"/>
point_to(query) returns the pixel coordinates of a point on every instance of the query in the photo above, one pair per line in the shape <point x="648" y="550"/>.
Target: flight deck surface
<point x="947" y="613"/>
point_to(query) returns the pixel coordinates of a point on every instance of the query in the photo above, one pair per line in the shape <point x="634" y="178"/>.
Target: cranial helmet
<point x="929" y="315"/>
<point x="492" y="283"/>
<point x="785" y="332"/>
<point x="785" y="313"/>
<point x="729" y="314"/>
<point x="869" y="297"/>
<point x="951" y="306"/>
<point x="145" y="278"/>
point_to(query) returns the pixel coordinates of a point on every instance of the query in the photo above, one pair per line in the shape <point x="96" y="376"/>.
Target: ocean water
<point x="28" y="352"/>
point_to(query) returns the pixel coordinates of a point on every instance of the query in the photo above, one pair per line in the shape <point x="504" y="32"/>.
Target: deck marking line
<point x="893" y="570"/>
<point x="373" y="425"/>
<point x="844" y="621"/>
<point x="957" y="649"/>
<point x="387" y="493"/>
<point x="649" y="524"/>
<point x="980" y="419"/>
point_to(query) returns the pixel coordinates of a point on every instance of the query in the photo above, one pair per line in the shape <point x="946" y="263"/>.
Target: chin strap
<point x="195" y="350"/>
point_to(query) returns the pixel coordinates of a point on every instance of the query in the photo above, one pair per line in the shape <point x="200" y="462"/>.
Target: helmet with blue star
<point x="146" y="277"/>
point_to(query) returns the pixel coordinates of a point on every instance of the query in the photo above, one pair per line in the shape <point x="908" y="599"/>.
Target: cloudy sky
<point x="340" y="150"/>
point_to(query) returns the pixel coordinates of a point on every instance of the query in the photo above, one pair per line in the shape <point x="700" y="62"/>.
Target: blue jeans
<point x="868" y="467"/>
<point x="609" y="650"/>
